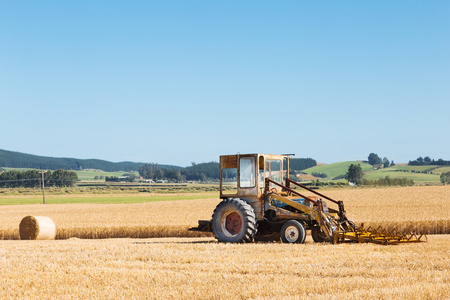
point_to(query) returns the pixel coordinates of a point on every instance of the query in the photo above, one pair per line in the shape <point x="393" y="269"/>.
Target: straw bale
<point x="37" y="228"/>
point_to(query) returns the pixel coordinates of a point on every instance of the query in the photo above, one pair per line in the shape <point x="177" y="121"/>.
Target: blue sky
<point x="177" y="82"/>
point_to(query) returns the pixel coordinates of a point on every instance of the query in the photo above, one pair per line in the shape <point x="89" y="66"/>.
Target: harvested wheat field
<point x="421" y="208"/>
<point x="200" y="268"/>
<point x="153" y="219"/>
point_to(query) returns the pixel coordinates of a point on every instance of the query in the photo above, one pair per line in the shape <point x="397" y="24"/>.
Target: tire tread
<point x="249" y="219"/>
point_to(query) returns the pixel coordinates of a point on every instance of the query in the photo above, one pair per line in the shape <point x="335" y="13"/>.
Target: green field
<point x="12" y="169"/>
<point x="441" y="170"/>
<point x="332" y="170"/>
<point x="392" y="173"/>
<point x="336" y="169"/>
<point x="409" y="172"/>
<point x="103" y="199"/>
<point x="89" y="175"/>
<point x="415" y="168"/>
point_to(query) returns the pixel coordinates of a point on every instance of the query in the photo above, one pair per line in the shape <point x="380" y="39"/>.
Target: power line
<point x="43" y="189"/>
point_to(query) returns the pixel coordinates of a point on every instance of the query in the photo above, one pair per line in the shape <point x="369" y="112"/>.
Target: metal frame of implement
<point x="377" y="236"/>
<point x="346" y="230"/>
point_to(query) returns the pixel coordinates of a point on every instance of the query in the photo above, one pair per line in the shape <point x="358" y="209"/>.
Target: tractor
<point x="260" y="202"/>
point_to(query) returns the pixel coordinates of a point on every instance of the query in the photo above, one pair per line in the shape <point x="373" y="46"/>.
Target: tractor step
<point x="203" y="226"/>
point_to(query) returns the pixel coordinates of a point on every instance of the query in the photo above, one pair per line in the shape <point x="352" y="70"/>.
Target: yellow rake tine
<point x="379" y="235"/>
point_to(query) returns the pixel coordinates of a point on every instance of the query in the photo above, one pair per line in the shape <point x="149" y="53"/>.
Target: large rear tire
<point x="234" y="221"/>
<point x="293" y="232"/>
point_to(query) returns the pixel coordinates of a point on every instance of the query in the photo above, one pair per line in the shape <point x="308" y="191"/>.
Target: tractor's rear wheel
<point x="293" y="232"/>
<point x="234" y="221"/>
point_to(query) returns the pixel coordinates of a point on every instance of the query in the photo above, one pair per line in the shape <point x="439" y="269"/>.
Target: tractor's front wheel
<point x="293" y="232"/>
<point x="234" y="221"/>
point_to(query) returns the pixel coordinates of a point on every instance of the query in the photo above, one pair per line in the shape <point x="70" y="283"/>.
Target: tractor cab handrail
<point x="341" y="212"/>
<point x="340" y="203"/>
<point x="289" y="181"/>
<point x="267" y="189"/>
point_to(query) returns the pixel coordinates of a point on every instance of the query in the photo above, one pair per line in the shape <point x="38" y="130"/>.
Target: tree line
<point x="355" y="175"/>
<point x="33" y="178"/>
<point x="388" y="181"/>
<point x="320" y="175"/>
<point x="11" y="159"/>
<point x="207" y="171"/>
<point x="199" y="172"/>
<point x="376" y="161"/>
<point x="126" y="177"/>
<point x="424" y="161"/>
<point x="299" y="164"/>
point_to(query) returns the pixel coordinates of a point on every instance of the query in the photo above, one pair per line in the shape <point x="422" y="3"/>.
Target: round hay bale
<point x="37" y="228"/>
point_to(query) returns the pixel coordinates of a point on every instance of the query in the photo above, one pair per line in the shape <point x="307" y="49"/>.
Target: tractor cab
<point x="243" y="176"/>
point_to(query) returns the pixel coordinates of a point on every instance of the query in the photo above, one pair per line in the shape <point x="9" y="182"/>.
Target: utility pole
<point x="43" y="190"/>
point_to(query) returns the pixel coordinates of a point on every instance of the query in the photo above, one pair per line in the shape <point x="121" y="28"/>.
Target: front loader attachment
<point x="333" y="225"/>
<point x="377" y="236"/>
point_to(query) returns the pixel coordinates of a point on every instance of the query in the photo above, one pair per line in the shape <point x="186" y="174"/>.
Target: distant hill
<point x="337" y="169"/>
<point x="429" y="173"/>
<point x="11" y="159"/>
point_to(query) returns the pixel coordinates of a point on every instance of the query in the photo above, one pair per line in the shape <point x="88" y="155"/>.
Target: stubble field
<point x="199" y="267"/>
<point x="422" y="208"/>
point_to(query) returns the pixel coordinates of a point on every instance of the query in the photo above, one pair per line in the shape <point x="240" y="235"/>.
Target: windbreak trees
<point x="354" y="174"/>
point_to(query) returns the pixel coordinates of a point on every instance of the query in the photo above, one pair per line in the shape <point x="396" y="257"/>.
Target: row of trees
<point x="320" y="175"/>
<point x="201" y="172"/>
<point x="206" y="171"/>
<point x="33" y="178"/>
<point x="388" y="181"/>
<point x="424" y="161"/>
<point x="355" y="175"/>
<point x="299" y="164"/>
<point x="375" y="160"/>
<point x="13" y="159"/>
<point x="127" y="177"/>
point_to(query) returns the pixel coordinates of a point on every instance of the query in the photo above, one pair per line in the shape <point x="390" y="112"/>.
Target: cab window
<point x="273" y="170"/>
<point x="247" y="172"/>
